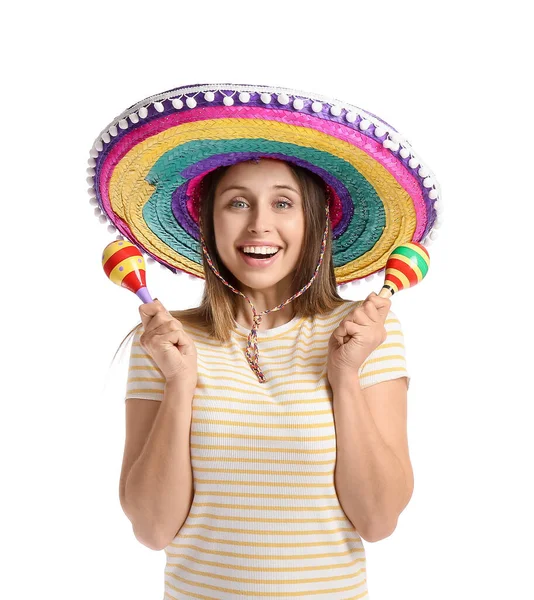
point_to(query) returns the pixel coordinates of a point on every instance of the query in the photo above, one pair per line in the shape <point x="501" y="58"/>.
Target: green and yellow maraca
<point x="406" y="266"/>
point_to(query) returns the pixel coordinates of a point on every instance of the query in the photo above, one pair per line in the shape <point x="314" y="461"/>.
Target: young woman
<point x="266" y="428"/>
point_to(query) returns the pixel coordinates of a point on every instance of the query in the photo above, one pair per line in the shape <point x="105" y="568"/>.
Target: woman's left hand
<point x="351" y="343"/>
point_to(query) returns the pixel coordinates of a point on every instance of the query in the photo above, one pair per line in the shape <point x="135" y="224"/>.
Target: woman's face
<point x="259" y="204"/>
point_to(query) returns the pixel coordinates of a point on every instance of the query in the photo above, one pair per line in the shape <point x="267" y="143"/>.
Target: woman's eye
<point x="236" y="202"/>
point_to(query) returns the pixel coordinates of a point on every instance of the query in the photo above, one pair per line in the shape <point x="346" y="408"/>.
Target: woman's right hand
<point x="170" y="347"/>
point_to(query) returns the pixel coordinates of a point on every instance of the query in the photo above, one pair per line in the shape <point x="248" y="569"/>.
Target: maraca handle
<point x="144" y="295"/>
<point x="385" y="292"/>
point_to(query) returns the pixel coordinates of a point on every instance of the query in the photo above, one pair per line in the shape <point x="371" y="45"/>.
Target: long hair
<point x="218" y="308"/>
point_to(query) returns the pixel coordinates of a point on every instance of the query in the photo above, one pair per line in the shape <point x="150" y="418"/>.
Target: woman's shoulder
<point x="345" y="307"/>
<point x="338" y="312"/>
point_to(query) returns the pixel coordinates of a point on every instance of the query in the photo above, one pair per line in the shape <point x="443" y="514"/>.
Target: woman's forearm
<point x="369" y="478"/>
<point x="159" y="487"/>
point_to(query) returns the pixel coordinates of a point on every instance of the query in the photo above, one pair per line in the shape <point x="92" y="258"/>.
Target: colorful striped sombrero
<point x="146" y="166"/>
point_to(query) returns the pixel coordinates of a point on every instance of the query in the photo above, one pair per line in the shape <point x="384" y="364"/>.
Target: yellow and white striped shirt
<point x="265" y="520"/>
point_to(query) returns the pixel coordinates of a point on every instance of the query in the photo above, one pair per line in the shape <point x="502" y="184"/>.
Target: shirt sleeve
<point x="387" y="361"/>
<point x="145" y="379"/>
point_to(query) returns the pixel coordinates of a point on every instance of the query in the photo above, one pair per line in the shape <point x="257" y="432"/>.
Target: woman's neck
<point x="269" y="320"/>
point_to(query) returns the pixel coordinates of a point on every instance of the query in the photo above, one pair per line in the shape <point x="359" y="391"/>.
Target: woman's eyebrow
<point x="245" y="189"/>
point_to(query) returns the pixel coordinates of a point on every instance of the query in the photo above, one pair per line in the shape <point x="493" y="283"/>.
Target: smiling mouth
<point x="259" y="256"/>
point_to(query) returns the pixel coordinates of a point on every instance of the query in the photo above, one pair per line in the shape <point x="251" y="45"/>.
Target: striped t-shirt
<point x="265" y="521"/>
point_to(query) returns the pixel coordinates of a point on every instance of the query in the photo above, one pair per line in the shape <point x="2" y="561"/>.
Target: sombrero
<point x="146" y="167"/>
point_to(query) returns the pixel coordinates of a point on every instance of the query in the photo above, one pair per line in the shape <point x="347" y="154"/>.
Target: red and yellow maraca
<point x="125" y="266"/>
<point x="406" y="266"/>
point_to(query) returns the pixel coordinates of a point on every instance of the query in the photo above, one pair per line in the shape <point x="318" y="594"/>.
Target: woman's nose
<point x="260" y="220"/>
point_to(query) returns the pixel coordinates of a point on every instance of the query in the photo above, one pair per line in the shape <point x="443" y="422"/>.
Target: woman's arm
<point x="159" y="488"/>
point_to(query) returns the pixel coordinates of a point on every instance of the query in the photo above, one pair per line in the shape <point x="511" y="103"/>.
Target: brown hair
<point x="218" y="308"/>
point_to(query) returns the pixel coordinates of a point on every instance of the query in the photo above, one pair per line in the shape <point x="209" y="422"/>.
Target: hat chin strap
<point x="251" y="351"/>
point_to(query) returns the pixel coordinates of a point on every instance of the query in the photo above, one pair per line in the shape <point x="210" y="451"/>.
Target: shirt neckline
<point x="267" y="333"/>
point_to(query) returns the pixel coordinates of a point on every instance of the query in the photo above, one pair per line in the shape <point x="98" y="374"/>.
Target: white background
<point x="453" y="78"/>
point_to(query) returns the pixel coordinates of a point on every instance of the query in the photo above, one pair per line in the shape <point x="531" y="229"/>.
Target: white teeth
<point x="260" y="250"/>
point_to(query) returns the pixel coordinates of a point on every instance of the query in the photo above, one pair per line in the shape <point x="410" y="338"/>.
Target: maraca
<point x="406" y="266"/>
<point x="125" y="266"/>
